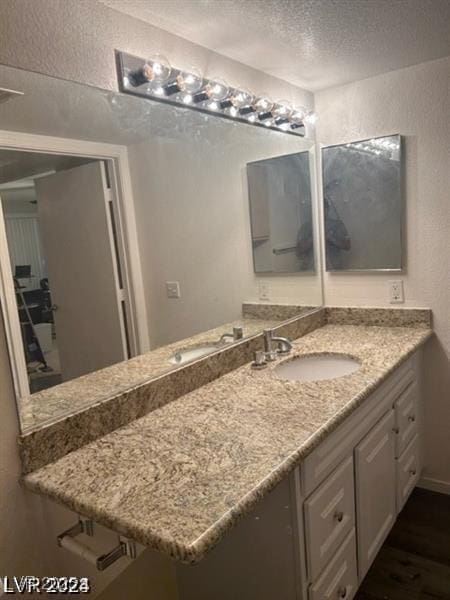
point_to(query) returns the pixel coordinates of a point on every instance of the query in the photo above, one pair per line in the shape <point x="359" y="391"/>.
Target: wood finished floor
<point x="414" y="562"/>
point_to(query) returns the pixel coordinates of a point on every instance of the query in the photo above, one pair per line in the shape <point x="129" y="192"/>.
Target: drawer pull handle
<point x="339" y="516"/>
<point x="413" y="472"/>
<point x="342" y="592"/>
<point x="412" y="418"/>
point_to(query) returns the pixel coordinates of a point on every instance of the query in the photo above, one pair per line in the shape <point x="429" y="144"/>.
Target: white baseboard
<point x="434" y="485"/>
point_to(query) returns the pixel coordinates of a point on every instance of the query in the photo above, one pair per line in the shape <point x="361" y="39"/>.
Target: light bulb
<point x="297" y="116"/>
<point x="241" y="99"/>
<point x="156" y="70"/>
<point x="263" y="105"/>
<point x="190" y="82"/>
<point x="252" y="118"/>
<point x="160" y="69"/>
<point x="213" y="105"/>
<point x="282" y="109"/>
<point x="234" y="111"/>
<point x="217" y="90"/>
<point x="187" y="98"/>
<point x="311" y="117"/>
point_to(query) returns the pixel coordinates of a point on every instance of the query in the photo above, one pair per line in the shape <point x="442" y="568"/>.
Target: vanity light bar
<point x="155" y="78"/>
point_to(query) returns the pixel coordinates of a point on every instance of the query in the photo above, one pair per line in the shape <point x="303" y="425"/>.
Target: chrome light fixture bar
<point x="156" y="79"/>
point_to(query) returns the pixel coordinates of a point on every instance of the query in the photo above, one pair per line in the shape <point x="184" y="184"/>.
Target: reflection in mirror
<point x="363" y="205"/>
<point x="65" y="279"/>
<point x="137" y="244"/>
<point x="281" y="214"/>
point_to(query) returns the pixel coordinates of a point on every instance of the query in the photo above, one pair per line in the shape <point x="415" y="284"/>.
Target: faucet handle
<point x="259" y="361"/>
<point x="267" y="335"/>
<point x="238" y="333"/>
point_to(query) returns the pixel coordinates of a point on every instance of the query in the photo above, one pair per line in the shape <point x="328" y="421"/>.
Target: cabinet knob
<point x="342" y="592"/>
<point x="413" y="472"/>
<point x="395" y="429"/>
<point x="412" y="418"/>
<point x="339" y="515"/>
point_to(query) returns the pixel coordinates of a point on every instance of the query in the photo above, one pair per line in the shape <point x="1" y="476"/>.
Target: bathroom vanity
<point x="316" y="535"/>
<point x="262" y="487"/>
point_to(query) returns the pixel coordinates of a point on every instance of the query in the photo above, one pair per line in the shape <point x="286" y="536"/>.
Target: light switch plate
<point x="264" y="291"/>
<point x="173" y="289"/>
<point x="396" y="292"/>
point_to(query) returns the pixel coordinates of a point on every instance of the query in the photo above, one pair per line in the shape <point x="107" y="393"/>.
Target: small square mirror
<point x="281" y="214"/>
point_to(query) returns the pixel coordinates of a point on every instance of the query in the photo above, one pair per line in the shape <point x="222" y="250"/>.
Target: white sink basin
<point x="317" y="367"/>
<point x="188" y="354"/>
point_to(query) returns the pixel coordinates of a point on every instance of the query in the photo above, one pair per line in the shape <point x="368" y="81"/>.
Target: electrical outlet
<point x="264" y="291"/>
<point x="396" y="292"/>
<point x="173" y="289"/>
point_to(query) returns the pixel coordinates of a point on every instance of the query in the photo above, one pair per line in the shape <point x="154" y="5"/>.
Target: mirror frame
<point x="402" y="267"/>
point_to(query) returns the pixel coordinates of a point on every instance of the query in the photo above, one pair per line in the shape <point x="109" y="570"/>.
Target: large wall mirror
<point x="362" y="205"/>
<point x="88" y="285"/>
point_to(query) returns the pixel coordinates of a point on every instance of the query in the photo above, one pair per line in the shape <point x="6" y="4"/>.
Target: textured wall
<point x="29" y="524"/>
<point x="414" y="102"/>
<point x="75" y="39"/>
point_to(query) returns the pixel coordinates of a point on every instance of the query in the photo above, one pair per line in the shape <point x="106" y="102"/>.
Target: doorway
<point x="65" y="268"/>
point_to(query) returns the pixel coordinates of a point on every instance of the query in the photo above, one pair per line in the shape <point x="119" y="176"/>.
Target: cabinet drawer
<point x="406" y="417"/>
<point x="409" y="466"/>
<point x="340" y="578"/>
<point x="329" y="517"/>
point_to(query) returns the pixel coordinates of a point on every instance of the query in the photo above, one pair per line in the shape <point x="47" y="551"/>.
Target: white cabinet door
<point x="375" y="490"/>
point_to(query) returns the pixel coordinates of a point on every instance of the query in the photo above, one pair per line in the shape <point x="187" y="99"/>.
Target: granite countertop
<point x="71" y="396"/>
<point x="180" y="477"/>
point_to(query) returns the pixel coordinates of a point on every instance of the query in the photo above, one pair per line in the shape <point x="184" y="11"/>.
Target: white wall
<point x="75" y="39"/>
<point x="22" y="232"/>
<point x="29" y="524"/>
<point x="414" y="102"/>
<point x="192" y="211"/>
<point x="19" y="201"/>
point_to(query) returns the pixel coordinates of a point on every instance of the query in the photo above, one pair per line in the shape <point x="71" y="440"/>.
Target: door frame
<point x="127" y="242"/>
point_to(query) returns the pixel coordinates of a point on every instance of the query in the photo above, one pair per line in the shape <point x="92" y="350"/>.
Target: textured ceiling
<point x="312" y="43"/>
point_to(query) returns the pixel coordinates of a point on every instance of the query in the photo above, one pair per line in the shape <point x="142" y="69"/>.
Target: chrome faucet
<point x="262" y="357"/>
<point x="283" y="345"/>
<point x="238" y="334"/>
